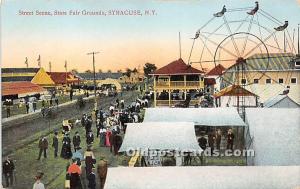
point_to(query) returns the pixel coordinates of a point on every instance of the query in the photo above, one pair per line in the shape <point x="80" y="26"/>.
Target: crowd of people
<point x="109" y="125"/>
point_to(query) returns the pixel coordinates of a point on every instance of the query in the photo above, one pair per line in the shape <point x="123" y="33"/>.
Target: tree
<point x="128" y="72"/>
<point x="108" y="71"/>
<point x="88" y="71"/>
<point x="149" y="68"/>
<point x="119" y="71"/>
<point x="99" y="71"/>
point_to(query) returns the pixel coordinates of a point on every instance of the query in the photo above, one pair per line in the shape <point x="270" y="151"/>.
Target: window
<point x="280" y="80"/>
<point x="255" y="81"/>
<point x="243" y="81"/>
<point x="268" y="81"/>
<point x="293" y="80"/>
<point x="297" y="63"/>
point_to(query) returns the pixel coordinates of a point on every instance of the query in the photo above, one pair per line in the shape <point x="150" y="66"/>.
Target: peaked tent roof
<point x="216" y="71"/>
<point x="20" y="88"/>
<point x="161" y="136"/>
<point x="235" y="177"/>
<point x="199" y="116"/>
<point x="177" y="67"/>
<point x="276" y="135"/>
<point x="234" y="90"/>
<point x="275" y="100"/>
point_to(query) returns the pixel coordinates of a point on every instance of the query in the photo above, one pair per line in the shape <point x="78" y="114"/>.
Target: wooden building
<point x="175" y="81"/>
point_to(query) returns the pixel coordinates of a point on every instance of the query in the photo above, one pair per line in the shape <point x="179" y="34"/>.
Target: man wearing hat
<point x="8" y="167"/>
<point x="76" y="140"/>
<point x="55" y="143"/>
<point x="43" y="145"/>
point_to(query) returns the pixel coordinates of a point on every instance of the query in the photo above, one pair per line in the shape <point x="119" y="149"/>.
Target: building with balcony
<point x="177" y="82"/>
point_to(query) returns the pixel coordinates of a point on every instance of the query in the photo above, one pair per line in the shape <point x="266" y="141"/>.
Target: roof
<point x="216" y="71"/>
<point x="20" y="88"/>
<point x="209" y="81"/>
<point x="19" y="70"/>
<point x="276" y="135"/>
<point x="177" y="67"/>
<point x="60" y="77"/>
<point x="161" y="136"/>
<point x="99" y="76"/>
<point x="277" y="99"/>
<point x="199" y="116"/>
<point x="17" y="78"/>
<point x="277" y="62"/>
<point x="215" y="177"/>
<point x="234" y="90"/>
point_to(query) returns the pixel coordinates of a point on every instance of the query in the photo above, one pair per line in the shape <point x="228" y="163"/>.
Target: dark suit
<point x="76" y="141"/>
<point x="55" y="145"/>
<point x="8" y="168"/>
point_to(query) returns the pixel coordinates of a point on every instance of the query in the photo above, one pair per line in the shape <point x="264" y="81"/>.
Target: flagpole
<point x="66" y="72"/>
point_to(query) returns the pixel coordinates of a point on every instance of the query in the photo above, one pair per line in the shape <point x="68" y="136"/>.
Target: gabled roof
<point x="20" y="88"/>
<point x="99" y="76"/>
<point x="277" y="62"/>
<point x="60" y="77"/>
<point x="234" y="90"/>
<point x="178" y="67"/>
<point x="275" y="100"/>
<point x="216" y="71"/>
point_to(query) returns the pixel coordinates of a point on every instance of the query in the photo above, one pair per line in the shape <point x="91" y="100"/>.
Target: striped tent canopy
<point x="277" y="62"/>
<point x="260" y="63"/>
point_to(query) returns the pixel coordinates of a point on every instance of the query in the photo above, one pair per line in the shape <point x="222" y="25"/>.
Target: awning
<point x="199" y="116"/>
<point x="216" y="177"/>
<point x="179" y="136"/>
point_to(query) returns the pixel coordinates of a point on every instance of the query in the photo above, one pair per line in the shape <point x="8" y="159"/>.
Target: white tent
<point x="160" y="136"/>
<point x="276" y="135"/>
<point x="233" y="177"/>
<point x="199" y="116"/>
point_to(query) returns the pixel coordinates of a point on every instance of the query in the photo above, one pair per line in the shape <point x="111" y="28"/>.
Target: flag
<point x="66" y="65"/>
<point x="39" y="61"/>
<point x="26" y="61"/>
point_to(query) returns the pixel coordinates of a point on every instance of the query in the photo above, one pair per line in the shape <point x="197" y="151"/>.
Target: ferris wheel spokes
<point x="261" y="43"/>
<point x="226" y="50"/>
<point x="232" y="38"/>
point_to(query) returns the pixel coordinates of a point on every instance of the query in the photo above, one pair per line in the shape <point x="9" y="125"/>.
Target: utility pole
<point x="298" y="41"/>
<point x="179" y="45"/>
<point x="93" y="53"/>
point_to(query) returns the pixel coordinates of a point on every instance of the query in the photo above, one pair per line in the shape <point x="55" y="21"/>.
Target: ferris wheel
<point x="242" y="39"/>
